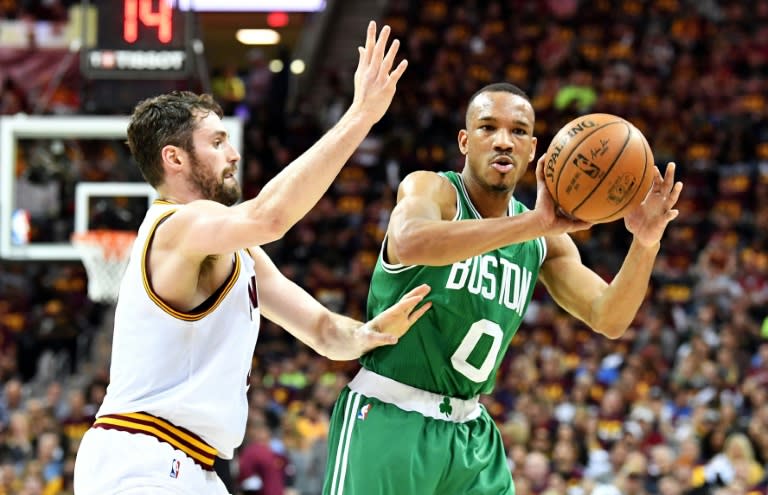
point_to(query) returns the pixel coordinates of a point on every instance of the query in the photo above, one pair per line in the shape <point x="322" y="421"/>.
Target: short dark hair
<point x="493" y="87"/>
<point x="167" y="119"/>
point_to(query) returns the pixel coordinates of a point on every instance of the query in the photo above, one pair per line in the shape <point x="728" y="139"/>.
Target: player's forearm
<point x="437" y="242"/>
<point x="616" y="309"/>
<point x="300" y="185"/>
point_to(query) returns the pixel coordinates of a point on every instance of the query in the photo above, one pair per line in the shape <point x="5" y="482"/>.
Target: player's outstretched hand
<point x="649" y="220"/>
<point x="389" y="325"/>
<point x="375" y="81"/>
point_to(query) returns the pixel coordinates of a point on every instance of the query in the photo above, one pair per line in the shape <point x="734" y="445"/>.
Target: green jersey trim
<point x="510" y="207"/>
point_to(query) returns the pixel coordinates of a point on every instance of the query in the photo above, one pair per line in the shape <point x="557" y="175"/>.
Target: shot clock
<point x="137" y="39"/>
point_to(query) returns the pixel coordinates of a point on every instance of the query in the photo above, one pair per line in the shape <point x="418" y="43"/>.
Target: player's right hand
<point x="554" y="220"/>
<point x="375" y="81"/>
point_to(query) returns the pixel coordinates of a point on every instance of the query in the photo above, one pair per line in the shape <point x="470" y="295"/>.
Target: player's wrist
<point x="539" y="222"/>
<point x="649" y="247"/>
<point x="358" y="114"/>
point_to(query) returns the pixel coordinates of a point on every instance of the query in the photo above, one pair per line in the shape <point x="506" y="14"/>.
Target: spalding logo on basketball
<point x="598" y="168"/>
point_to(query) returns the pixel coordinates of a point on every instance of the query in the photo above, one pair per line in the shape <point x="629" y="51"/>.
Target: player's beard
<point x="212" y="187"/>
<point x="500" y="189"/>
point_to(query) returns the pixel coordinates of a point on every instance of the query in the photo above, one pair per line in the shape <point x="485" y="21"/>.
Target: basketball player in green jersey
<point x="410" y="422"/>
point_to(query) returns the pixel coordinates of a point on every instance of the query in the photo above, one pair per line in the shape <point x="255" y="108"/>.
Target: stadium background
<point x="677" y="405"/>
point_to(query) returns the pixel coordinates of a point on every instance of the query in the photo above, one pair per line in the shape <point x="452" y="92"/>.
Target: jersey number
<point x="475" y="332"/>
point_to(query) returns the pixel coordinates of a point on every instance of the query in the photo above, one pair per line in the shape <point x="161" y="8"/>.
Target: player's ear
<point x="534" y="141"/>
<point x="463" y="141"/>
<point x="171" y="155"/>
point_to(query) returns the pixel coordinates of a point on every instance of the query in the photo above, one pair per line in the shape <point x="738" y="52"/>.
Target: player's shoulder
<point x="423" y="175"/>
<point x="425" y="181"/>
<point x="196" y="209"/>
<point x="180" y="218"/>
<point x="430" y="187"/>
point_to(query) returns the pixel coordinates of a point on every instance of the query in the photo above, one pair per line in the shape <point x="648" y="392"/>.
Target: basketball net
<point x="105" y="255"/>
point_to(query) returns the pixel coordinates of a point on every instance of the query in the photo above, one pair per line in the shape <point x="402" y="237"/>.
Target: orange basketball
<point x="598" y="167"/>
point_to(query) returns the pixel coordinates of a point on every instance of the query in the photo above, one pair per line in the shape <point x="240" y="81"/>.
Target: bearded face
<point x="223" y="188"/>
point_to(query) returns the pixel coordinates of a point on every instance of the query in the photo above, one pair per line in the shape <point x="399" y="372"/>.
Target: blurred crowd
<point x="678" y="405"/>
<point x="35" y="10"/>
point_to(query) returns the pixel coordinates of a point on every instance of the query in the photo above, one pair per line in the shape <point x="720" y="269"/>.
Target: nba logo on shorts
<point x="363" y="413"/>
<point x="175" y="465"/>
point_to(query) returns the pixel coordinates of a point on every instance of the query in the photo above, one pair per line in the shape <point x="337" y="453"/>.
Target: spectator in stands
<point x="12" y="400"/>
<point x="45" y="10"/>
<point x="735" y="465"/>
<point x="262" y="471"/>
<point x="78" y="419"/>
<point x="257" y="83"/>
<point x="13" y="100"/>
<point x="228" y="88"/>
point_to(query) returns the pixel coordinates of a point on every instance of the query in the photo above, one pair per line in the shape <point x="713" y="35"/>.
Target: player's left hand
<point x="375" y="80"/>
<point x="391" y="324"/>
<point x="649" y="220"/>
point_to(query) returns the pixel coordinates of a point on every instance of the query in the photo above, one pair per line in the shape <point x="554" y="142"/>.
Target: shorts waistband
<point x="176" y="436"/>
<point x="408" y="398"/>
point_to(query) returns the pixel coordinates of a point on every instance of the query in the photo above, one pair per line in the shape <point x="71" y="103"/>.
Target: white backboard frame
<point x="13" y="128"/>
<point x="84" y="191"/>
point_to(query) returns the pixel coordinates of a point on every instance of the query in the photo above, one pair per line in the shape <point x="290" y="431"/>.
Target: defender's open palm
<point x="388" y="326"/>
<point x="649" y="220"/>
<point x="375" y="81"/>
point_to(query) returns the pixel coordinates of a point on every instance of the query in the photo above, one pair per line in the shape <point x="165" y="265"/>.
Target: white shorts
<point x="111" y="462"/>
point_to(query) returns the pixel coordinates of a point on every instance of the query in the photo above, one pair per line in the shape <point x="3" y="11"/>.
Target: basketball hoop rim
<point x="114" y="244"/>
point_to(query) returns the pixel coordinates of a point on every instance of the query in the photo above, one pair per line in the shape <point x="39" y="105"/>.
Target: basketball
<point x="598" y="168"/>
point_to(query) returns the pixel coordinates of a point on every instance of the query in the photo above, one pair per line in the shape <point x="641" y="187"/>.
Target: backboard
<point x="33" y="184"/>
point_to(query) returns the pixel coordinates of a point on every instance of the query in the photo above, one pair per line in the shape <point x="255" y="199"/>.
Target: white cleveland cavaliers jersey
<point x="190" y="369"/>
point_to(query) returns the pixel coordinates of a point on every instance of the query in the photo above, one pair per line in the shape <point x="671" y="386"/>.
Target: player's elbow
<point x="411" y="243"/>
<point x="408" y="250"/>
<point x="272" y="225"/>
<point x="278" y="228"/>
<point x="607" y="319"/>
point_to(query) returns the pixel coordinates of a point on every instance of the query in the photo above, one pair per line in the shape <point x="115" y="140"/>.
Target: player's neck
<point x="177" y="195"/>
<point x="489" y="202"/>
<point x="491" y="207"/>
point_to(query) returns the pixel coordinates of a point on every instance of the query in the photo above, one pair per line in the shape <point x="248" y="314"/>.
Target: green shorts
<point x="387" y="438"/>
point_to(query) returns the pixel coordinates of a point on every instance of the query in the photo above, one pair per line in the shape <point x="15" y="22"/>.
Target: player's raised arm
<point x="210" y="229"/>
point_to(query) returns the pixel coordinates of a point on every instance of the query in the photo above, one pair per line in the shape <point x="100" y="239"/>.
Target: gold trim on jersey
<point x="179" y="438"/>
<point x="181" y="315"/>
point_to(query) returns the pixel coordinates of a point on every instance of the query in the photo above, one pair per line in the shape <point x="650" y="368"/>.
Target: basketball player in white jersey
<point x="197" y="282"/>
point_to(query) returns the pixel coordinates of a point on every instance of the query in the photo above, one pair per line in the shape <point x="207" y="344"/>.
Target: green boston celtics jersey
<point x="477" y="306"/>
